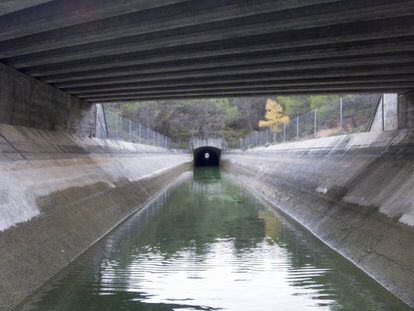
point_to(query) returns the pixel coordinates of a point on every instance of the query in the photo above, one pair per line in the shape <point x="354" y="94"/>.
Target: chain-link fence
<point x="333" y="119"/>
<point x="113" y="126"/>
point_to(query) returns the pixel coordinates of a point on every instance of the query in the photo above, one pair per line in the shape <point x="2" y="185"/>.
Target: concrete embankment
<point x="59" y="193"/>
<point x="354" y="192"/>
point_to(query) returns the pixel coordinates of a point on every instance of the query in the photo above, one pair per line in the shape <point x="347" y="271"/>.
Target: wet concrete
<point x="59" y="193"/>
<point x="354" y="192"/>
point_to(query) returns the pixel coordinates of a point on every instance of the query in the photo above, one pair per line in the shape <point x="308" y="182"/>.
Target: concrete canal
<point x="206" y="243"/>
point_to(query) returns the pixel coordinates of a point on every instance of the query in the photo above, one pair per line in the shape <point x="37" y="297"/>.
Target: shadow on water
<point x="207" y="175"/>
<point x="207" y="244"/>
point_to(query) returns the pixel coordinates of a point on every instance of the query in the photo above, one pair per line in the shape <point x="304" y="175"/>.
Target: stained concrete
<point x="25" y="101"/>
<point x="354" y="192"/>
<point x="406" y="110"/>
<point x="60" y="192"/>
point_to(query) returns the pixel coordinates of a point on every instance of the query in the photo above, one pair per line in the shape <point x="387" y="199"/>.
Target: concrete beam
<point x="212" y="47"/>
<point x="246" y="74"/>
<point x="246" y="51"/>
<point x="275" y="83"/>
<point x="234" y="81"/>
<point x="261" y="92"/>
<point x="290" y="89"/>
<point x="10" y="6"/>
<point x="180" y="15"/>
<point x="248" y="94"/>
<point x="219" y="65"/>
<point x="319" y="29"/>
<point x="58" y="14"/>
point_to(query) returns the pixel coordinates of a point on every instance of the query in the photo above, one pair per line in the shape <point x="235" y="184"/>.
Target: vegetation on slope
<point x="234" y="118"/>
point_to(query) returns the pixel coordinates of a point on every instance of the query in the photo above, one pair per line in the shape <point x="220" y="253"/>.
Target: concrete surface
<point x="406" y="110"/>
<point x="386" y="115"/>
<point x="354" y="192"/>
<point x="105" y="50"/>
<point x="60" y="192"/>
<point x="28" y="102"/>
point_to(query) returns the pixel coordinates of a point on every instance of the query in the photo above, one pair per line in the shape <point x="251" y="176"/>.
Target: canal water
<point x="208" y="244"/>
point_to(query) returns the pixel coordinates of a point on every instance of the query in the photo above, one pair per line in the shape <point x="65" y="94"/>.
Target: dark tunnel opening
<point x="207" y="156"/>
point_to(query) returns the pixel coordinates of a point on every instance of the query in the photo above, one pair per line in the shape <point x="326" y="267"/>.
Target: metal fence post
<point x="284" y="132"/>
<point x="116" y="126"/>
<point x="297" y="128"/>
<point x="130" y="131"/>
<point x="382" y="112"/>
<point x="314" y="123"/>
<point x="139" y="132"/>
<point x="340" y="115"/>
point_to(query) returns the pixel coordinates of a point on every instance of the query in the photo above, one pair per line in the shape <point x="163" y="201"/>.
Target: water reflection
<point x="206" y="244"/>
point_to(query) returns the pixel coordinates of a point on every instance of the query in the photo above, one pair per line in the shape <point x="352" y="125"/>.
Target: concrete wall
<point x="406" y="110"/>
<point x="60" y="192"/>
<point x="386" y="115"/>
<point x="29" y="102"/>
<point x="355" y="192"/>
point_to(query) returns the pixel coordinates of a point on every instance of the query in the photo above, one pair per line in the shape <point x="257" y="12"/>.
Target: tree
<point x="294" y="105"/>
<point x="274" y="116"/>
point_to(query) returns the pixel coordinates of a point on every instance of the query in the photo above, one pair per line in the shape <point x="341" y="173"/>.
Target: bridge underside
<point x="105" y="50"/>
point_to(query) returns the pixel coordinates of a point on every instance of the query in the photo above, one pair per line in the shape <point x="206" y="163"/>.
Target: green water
<point x="207" y="244"/>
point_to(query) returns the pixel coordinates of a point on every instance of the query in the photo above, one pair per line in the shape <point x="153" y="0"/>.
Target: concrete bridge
<point x="104" y="51"/>
<point x="75" y="53"/>
<point x="207" y="151"/>
<point x="59" y="183"/>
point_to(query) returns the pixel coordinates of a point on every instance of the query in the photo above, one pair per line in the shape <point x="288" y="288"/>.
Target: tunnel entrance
<point x="206" y="156"/>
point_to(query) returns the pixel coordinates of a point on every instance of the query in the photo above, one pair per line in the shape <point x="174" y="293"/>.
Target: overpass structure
<point x="105" y="50"/>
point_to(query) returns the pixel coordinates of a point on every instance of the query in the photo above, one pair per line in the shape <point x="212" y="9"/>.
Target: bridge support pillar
<point x="406" y="110"/>
<point x="29" y="102"/>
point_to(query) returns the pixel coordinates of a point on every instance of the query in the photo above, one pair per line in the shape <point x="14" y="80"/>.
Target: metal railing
<point x="112" y="125"/>
<point x="333" y="119"/>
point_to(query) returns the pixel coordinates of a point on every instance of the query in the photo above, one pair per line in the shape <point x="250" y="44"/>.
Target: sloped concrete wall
<point x="354" y="192"/>
<point x="59" y="193"/>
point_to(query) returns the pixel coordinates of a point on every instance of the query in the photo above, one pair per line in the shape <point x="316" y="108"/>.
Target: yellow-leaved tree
<point x="274" y="116"/>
